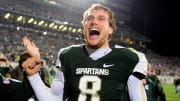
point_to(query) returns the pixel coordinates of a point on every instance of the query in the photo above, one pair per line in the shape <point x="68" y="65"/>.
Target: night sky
<point x="158" y="20"/>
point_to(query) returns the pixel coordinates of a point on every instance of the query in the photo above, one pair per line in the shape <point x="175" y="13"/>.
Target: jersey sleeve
<point x="141" y="66"/>
<point x="58" y="62"/>
<point x="135" y="85"/>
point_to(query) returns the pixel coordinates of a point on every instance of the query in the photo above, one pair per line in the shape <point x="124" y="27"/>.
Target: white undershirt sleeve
<point x="136" y="89"/>
<point x="43" y="93"/>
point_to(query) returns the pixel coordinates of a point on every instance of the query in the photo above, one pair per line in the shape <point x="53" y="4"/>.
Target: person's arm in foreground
<point x="31" y="67"/>
<point x="135" y="85"/>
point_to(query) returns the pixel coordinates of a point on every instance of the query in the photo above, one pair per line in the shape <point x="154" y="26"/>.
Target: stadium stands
<point x="50" y="40"/>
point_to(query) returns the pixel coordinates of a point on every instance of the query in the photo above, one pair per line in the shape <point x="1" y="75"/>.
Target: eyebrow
<point x="99" y="16"/>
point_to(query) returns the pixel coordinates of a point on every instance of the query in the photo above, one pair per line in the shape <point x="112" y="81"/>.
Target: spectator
<point x="17" y="87"/>
<point x="18" y="72"/>
<point x="153" y="86"/>
<point x="16" y="90"/>
<point x="177" y="83"/>
<point x="5" y="66"/>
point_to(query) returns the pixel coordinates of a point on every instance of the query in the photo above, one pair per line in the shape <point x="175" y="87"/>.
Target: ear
<point x="110" y="33"/>
<point x="110" y="30"/>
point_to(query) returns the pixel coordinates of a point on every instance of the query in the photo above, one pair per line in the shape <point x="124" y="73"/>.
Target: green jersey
<point x="154" y="90"/>
<point x="104" y="79"/>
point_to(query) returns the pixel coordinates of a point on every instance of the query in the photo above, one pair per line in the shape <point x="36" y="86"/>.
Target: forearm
<point x="43" y="93"/>
<point x="136" y="89"/>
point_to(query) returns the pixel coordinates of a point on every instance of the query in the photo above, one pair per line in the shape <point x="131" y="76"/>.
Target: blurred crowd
<point x="11" y="46"/>
<point x="11" y="35"/>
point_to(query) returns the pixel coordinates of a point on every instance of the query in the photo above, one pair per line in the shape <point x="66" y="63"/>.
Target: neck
<point x="92" y="49"/>
<point x="97" y="46"/>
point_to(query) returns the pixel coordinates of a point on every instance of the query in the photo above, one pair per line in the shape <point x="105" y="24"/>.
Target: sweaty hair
<point x="112" y="22"/>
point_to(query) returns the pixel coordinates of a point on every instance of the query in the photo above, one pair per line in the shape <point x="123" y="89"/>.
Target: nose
<point x="94" y="22"/>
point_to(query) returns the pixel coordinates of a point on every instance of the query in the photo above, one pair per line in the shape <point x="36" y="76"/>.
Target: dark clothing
<point x="5" y="69"/>
<point x="154" y="89"/>
<point x="104" y="79"/>
<point x="14" y="90"/>
<point x="176" y="84"/>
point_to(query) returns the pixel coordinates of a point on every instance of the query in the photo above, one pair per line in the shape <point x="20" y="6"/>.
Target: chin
<point x="93" y="46"/>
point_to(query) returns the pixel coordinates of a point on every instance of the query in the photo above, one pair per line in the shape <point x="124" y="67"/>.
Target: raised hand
<point x="31" y="66"/>
<point x="31" y="48"/>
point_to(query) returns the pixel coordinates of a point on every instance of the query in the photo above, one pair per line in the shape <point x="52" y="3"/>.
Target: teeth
<point x="94" y="29"/>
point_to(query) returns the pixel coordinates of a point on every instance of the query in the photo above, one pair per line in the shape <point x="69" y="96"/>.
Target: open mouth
<point x="3" y="60"/>
<point x="94" y="32"/>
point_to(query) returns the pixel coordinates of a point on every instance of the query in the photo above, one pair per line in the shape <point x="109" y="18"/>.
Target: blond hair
<point x="112" y="22"/>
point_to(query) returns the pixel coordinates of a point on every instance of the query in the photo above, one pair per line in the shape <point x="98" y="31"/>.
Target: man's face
<point x="3" y="60"/>
<point x="97" y="29"/>
<point x="4" y="65"/>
